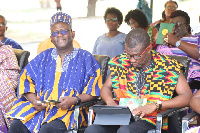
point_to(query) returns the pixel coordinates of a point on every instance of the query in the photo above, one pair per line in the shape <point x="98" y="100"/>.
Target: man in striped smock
<point x="65" y="74"/>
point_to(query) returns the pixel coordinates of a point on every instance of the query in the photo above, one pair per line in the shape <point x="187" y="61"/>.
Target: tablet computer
<point x="111" y="115"/>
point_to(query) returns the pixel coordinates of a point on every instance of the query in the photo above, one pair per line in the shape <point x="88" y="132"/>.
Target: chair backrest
<point x="103" y="61"/>
<point x="22" y="57"/>
<point x="185" y="61"/>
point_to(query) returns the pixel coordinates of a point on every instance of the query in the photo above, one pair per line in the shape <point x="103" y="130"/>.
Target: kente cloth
<point x="194" y="68"/>
<point x="9" y="73"/>
<point x="12" y="43"/>
<point x="160" y="82"/>
<point x="46" y="44"/>
<point x="110" y="46"/>
<point x="50" y="79"/>
<point x="61" y="17"/>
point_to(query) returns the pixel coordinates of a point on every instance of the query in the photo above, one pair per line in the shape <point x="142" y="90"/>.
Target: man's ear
<point x="150" y="48"/>
<point x="6" y="27"/>
<point x="73" y="34"/>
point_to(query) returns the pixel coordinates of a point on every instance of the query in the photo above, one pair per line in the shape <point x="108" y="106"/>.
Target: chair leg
<point x="198" y="121"/>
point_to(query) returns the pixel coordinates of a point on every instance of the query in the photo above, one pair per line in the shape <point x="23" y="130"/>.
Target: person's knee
<point x="17" y="127"/>
<point x="51" y="128"/>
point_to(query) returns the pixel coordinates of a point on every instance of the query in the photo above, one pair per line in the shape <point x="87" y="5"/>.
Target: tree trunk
<point x="91" y="7"/>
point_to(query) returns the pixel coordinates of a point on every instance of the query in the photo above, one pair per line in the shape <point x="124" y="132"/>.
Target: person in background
<point x="112" y="42"/>
<point x="169" y="6"/>
<point x="181" y="43"/>
<point x="9" y="73"/>
<point x="58" y="5"/>
<point x="46" y="44"/>
<point x="5" y="40"/>
<point x="64" y="74"/>
<point x="143" y="5"/>
<point x="143" y="73"/>
<point x="137" y="19"/>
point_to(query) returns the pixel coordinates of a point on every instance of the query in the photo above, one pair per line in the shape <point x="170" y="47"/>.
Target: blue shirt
<point x="110" y="46"/>
<point x="14" y="44"/>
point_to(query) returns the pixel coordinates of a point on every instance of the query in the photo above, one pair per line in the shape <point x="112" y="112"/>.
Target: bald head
<point x="137" y="36"/>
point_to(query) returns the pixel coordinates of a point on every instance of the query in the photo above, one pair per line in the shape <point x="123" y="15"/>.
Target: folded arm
<point x="191" y="49"/>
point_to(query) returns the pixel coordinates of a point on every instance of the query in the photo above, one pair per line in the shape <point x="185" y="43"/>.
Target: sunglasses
<point x="111" y="19"/>
<point x="137" y="57"/>
<point x="62" y="32"/>
<point x="171" y="8"/>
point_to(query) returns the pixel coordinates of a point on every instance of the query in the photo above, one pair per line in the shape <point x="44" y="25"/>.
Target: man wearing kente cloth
<point x="65" y="74"/>
<point x="143" y="73"/>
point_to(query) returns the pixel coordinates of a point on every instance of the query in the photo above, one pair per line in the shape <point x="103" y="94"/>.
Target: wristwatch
<point x="178" y="43"/>
<point x="158" y="105"/>
<point x="78" y="100"/>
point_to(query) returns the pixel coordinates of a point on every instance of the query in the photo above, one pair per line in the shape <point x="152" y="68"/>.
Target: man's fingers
<point x="142" y="115"/>
<point x="136" y="112"/>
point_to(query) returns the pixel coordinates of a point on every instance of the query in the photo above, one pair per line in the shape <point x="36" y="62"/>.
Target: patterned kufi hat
<point x="61" y="17"/>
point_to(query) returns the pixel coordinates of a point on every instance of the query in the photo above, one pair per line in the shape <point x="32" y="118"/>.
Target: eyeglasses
<point x="178" y="24"/>
<point x="62" y="32"/>
<point x="2" y="24"/>
<point x="112" y="19"/>
<point x="171" y="8"/>
<point x="137" y="57"/>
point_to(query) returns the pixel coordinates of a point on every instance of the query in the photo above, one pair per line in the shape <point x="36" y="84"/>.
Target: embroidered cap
<point x="61" y="17"/>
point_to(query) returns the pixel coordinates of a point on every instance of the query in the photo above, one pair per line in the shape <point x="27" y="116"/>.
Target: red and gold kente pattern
<point x="160" y="82"/>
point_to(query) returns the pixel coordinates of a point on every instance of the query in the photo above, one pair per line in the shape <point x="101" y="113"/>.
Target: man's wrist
<point x="110" y="102"/>
<point x="78" y="100"/>
<point x="178" y="43"/>
<point x="158" y="105"/>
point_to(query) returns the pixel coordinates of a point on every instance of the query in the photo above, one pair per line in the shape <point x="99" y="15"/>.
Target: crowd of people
<point x="65" y="75"/>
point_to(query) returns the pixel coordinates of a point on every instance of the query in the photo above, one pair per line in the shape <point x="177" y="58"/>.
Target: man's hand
<point x="111" y="103"/>
<point x="170" y="39"/>
<point x="38" y="106"/>
<point x="144" y="110"/>
<point x="66" y="102"/>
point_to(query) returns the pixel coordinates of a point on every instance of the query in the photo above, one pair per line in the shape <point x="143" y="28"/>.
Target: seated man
<point x="182" y="43"/>
<point x="143" y="73"/>
<point x="64" y="74"/>
<point x="3" y="39"/>
<point x="9" y="73"/>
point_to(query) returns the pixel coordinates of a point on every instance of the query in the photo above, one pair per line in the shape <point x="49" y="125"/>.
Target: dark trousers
<point x="55" y="126"/>
<point x="140" y="126"/>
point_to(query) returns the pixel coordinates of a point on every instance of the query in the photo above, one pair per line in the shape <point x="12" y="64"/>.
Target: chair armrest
<point x="170" y="112"/>
<point x="87" y="104"/>
<point x="91" y="111"/>
<point x="165" y="114"/>
<point x="188" y="118"/>
<point x="77" y="110"/>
